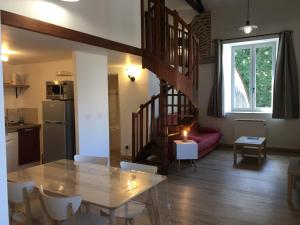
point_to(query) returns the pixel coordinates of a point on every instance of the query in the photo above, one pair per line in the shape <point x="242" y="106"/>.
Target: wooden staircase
<point x="171" y="52"/>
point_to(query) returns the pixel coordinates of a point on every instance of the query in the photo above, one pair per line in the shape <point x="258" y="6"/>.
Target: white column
<point x="3" y="173"/>
<point x="91" y="104"/>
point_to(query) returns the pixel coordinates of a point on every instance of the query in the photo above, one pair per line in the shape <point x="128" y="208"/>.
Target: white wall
<point x="91" y="103"/>
<point x="153" y="84"/>
<point x="38" y="74"/>
<point x="116" y="20"/>
<point x="3" y="174"/>
<point x="131" y="95"/>
<point x="225" y="23"/>
<point x="187" y="14"/>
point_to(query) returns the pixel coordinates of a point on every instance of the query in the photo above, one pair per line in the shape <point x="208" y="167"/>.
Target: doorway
<point x="114" y="119"/>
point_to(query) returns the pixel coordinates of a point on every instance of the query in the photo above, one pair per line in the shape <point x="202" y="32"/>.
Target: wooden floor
<point x="219" y="194"/>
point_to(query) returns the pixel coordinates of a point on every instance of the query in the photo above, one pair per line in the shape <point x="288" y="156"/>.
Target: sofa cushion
<point x="205" y="140"/>
<point x="172" y="119"/>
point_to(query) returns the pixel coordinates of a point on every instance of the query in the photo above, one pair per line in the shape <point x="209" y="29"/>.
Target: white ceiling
<point x="33" y="47"/>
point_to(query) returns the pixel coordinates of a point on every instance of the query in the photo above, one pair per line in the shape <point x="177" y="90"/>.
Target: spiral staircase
<point x="170" y="50"/>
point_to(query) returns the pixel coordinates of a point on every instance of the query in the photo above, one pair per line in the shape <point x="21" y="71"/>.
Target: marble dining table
<point x="104" y="186"/>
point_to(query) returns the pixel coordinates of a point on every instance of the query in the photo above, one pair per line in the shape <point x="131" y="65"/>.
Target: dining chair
<point x="91" y="159"/>
<point x="23" y="208"/>
<point x="65" y="211"/>
<point x="133" y="208"/>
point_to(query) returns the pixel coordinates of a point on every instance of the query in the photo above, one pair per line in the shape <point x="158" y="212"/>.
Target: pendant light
<point x="248" y="28"/>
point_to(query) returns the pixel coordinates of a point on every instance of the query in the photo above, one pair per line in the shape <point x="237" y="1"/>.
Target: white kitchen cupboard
<point x="12" y="153"/>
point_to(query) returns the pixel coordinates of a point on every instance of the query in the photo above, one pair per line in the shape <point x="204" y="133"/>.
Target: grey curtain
<point x="286" y="93"/>
<point x="215" y="105"/>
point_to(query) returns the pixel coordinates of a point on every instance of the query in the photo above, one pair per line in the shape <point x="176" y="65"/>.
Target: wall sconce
<point x="133" y="71"/>
<point x="131" y="77"/>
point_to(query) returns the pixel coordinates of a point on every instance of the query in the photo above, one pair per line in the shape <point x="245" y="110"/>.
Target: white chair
<point x="65" y="211"/>
<point x="29" y="211"/>
<point x="133" y="208"/>
<point x="91" y="159"/>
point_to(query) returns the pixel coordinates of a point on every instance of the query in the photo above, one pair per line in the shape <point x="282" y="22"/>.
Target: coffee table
<point x="293" y="173"/>
<point x="257" y="144"/>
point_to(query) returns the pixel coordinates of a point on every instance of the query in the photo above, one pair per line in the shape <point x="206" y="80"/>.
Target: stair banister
<point x="133" y="144"/>
<point x="176" y="41"/>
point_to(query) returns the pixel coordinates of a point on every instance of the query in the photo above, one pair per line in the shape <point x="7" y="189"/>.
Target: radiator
<point x="250" y="127"/>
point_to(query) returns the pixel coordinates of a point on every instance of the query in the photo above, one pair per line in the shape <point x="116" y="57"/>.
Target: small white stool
<point x="186" y="150"/>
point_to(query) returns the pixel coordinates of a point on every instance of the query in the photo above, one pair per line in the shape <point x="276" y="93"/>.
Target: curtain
<point x="215" y="105"/>
<point x="285" y="92"/>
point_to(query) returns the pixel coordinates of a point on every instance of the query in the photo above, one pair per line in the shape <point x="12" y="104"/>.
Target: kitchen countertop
<point x="15" y="128"/>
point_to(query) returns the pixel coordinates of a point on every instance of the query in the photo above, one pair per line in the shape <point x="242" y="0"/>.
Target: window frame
<point x="252" y="79"/>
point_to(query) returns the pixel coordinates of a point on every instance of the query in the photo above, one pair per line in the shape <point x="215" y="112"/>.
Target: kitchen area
<point x="22" y="139"/>
<point x="57" y="100"/>
<point x="38" y="99"/>
<point x="31" y="140"/>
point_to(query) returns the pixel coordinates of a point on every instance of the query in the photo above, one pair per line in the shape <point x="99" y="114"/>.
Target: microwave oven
<point x="59" y="90"/>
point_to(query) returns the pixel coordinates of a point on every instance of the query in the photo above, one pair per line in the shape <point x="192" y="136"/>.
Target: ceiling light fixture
<point x="248" y="28"/>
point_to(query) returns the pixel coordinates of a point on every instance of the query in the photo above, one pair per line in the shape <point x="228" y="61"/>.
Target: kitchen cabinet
<point x="29" y="145"/>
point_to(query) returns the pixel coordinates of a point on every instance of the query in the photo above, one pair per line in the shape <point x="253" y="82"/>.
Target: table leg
<point x="235" y="155"/>
<point x="259" y="154"/>
<point x="131" y="222"/>
<point x="194" y="162"/>
<point x="112" y="217"/>
<point x="290" y="187"/>
<point x="150" y="208"/>
<point x="88" y="207"/>
<point x="155" y="203"/>
<point x="265" y="151"/>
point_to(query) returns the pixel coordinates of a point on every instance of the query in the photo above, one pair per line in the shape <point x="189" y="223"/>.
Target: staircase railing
<point x="168" y="40"/>
<point x="144" y="125"/>
<point x="145" y="121"/>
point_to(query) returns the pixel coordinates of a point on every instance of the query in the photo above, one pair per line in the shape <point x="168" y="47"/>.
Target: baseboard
<point x="274" y="150"/>
<point x="283" y="150"/>
<point x="126" y="157"/>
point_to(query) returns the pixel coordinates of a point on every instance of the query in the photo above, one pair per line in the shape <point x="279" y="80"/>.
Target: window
<point x="250" y="67"/>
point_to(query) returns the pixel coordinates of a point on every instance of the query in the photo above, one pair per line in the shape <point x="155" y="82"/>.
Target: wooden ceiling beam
<point x="196" y="5"/>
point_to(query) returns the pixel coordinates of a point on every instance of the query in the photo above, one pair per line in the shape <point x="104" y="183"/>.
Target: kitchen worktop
<point x="15" y="128"/>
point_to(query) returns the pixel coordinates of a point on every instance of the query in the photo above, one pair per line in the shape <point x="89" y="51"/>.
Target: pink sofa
<point x="206" y="138"/>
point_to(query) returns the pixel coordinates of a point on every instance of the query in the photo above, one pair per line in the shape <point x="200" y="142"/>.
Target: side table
<point x="186" y="150"/>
